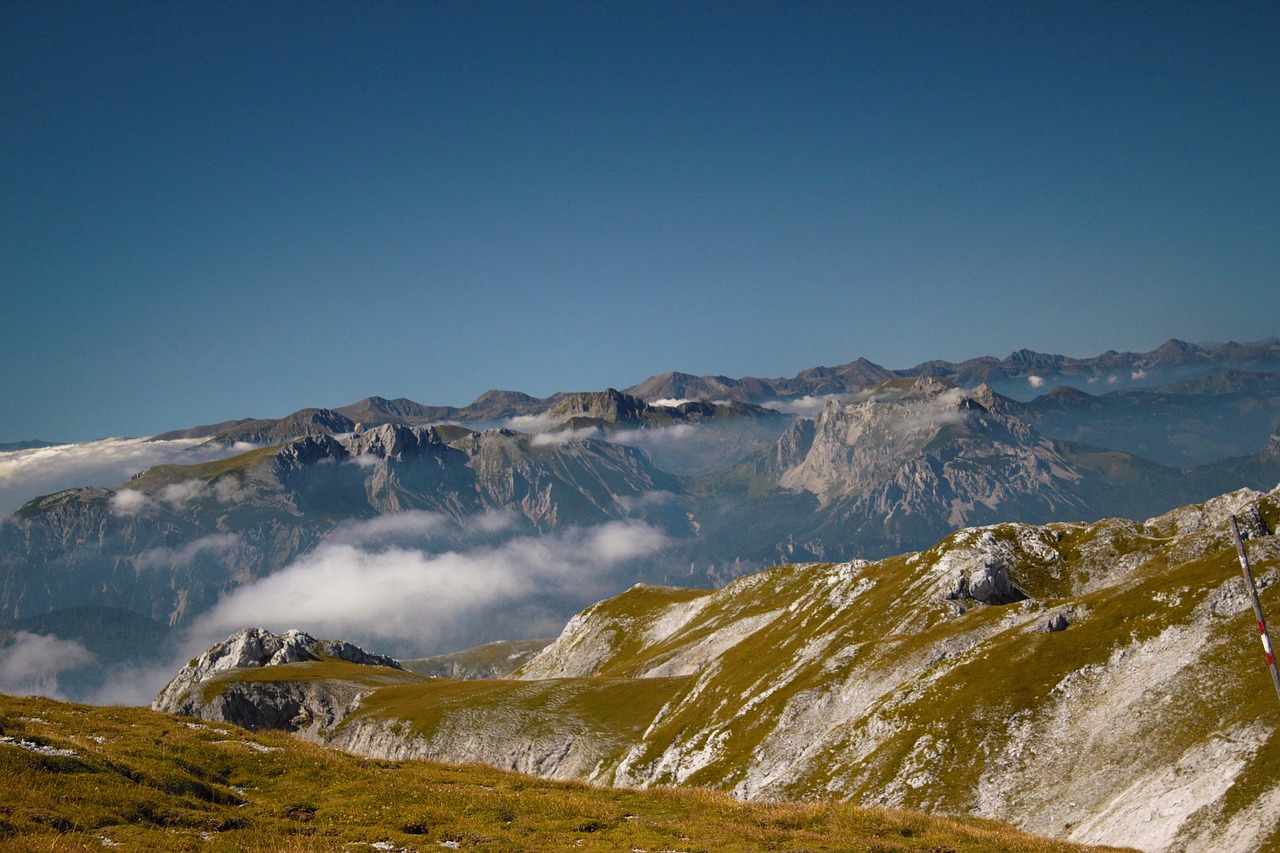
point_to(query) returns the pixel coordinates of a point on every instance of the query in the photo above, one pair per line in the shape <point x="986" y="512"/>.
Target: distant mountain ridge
<point x="567" y="410"/>
<point x="1171" y="361"/>
<point x="895" y="469"/>
<point x="30" y="444"/>
<point x="729" y="487"/>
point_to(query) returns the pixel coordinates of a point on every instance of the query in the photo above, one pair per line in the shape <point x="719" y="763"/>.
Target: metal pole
<point x="1257" y="606"/>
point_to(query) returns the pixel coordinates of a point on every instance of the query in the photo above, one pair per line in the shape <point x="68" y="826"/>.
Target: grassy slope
<point x="1011" y="675"/>
<point x="144" y="780"/>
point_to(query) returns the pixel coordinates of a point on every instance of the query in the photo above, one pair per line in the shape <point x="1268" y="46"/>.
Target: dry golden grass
<point x="146" y="781"/>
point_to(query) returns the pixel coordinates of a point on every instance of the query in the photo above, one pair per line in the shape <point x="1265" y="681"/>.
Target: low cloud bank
<point x="647" y="439"/>
<point x="805" y="406"/>
<point x="398" y="594"/>
<point x="25" y="474"/>
<point x="174" y="558"/>
<point x="130" y="502"/>
<point x="387" y="585"/>
<point x="566" y="435"/>
<point x="30" y="663"/>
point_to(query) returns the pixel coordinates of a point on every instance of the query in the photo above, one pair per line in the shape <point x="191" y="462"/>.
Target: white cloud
<point x="129" y="502"/>
<point x="804" y="406"/>
<point x="672" y="402"/>
<point x="927" y="419"/>
<point x="365" y="460"/>
<point x="531" y="423"/>
<point x="548" y="438"/>
<point x="1093" y="380"/>
<point x="1036" y="381"/>
<point x="25" y="474"/>
<point x="1112" y="380"/>
<point x="175" y="558"/>
<point x="649" y="438"/>
<point x="228" y="490"/>
<point x="399" y="594"/>
<point x="178" y="495"/>
<point x="398" y="527"/>
<point x="30" y="663"/>
<point x="1138" y="375"/>
<point x="491" y="522"/>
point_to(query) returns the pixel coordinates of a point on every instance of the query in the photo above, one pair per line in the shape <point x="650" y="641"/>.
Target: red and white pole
<point x="1257" y="606"/>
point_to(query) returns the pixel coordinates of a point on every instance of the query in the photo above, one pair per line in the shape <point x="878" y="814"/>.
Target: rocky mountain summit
<point x="902" y="464"/>
<point x="733" y="475"/>
<point x="1020" y="373"/>
<point x="1095" y="682"/>
<point x="309" y="708"/>
<point x="928" y="449"/>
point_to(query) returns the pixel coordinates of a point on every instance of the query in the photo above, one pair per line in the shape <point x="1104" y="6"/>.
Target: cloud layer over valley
<point x="26" y="474"/>
<point x="409" y="584"/>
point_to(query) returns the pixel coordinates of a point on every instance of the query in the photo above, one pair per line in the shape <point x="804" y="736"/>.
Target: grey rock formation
<point x="309" y="707"/>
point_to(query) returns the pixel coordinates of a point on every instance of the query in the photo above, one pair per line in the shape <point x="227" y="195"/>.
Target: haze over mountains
<point x="424" y="529"/>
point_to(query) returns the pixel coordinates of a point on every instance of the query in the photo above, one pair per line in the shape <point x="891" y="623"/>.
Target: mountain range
<point x="836" y="464"/>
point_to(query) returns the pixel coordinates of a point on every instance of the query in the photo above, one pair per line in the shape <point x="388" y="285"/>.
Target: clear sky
<point x="227" y="209"/>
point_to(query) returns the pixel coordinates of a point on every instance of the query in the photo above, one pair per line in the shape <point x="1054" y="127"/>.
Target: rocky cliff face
<point x="207" y="687"/>
<point x="1099" y="682"/>
<point x="932" y="449"/>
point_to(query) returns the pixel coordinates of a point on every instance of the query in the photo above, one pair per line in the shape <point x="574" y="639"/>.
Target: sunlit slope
<point x="77" y="777"/>
<point x="1095" y="682"/>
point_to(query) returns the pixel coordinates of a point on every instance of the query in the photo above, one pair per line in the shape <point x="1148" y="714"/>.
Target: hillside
<point x="77" y="777"/>
<point x="1095" y="682"/>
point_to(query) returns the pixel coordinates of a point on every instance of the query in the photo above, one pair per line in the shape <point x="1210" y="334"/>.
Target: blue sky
<point x="225" y="210"/>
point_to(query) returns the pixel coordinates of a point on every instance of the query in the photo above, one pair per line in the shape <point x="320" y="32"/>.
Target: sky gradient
<point x="239" y="209"/>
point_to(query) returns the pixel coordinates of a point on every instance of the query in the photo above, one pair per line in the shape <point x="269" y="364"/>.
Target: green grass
<point x="146" y="781"/>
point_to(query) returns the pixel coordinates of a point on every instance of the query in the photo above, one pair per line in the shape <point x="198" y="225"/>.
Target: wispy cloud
<point x="804" y="406"/>
<point x="1035" y="381"/>
<point x="1138" y="375"/>
<point x="30" y="663"/>
<point x="129" y="502"/>
<point x="644" y="500"/>
<point x="565" y="435"/>
<point x="648" y="438"/>
<point x="929" y="418"/>
<point x="25" y="474"/>
<point x="396" y="528"/>
<point x="532" y="423"/>
<point x="174" y="558"/>
<point x="672" y="402"/>
<point x="398" y="595"/>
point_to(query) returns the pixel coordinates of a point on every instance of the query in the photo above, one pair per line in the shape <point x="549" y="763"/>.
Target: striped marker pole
<point x="1257" y="606"/>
